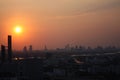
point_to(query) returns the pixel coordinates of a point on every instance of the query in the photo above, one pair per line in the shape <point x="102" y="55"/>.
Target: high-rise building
<point x="25" y="49"/>
<point x="3" y="53"/>
<point x="30" y="48"/>
<point x="9" y="48"/>
<point x="45" y="48"/>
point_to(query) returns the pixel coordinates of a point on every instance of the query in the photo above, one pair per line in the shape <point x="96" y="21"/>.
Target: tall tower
<point x="45" y="48"/>
<point x="2" y="53"/>
<point x="25" y="49"/>
<point x="30" y="48"/>
<point x="9" y="48"/>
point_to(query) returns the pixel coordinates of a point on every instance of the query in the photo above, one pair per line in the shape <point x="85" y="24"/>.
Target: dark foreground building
<point x="97" y="67"/>
<point x="26" y="69"/>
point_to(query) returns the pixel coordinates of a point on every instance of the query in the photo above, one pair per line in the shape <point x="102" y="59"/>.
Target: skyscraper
<point x="25" y="49"/>
<point x="9" y="48"/>
<point x="30" y="48"/>
<point x="3" y="53"/>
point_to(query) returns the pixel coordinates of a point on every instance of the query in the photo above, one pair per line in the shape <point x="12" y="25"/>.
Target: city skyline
<point x="57" y="23"/>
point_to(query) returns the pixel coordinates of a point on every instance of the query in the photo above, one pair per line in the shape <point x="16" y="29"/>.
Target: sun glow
<point x="18" y="29"/>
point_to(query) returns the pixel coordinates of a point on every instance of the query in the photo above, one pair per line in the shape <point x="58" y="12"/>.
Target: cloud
<point x="90" y="9"/>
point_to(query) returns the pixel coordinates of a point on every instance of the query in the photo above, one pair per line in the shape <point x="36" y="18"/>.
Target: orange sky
<point x="56" y="23"/>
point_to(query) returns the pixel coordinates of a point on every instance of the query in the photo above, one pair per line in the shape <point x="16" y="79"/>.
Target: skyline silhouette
<point x="68" y="63"/>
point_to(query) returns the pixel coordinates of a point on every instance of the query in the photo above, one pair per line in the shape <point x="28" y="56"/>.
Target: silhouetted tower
<point x="30" y="48"/>
<point x="76" y="47"/>
<point x="9" y="48"/>
<point x="2" y="53"/>
<point x="45" y="48"/>
<point x="25" y="49"/>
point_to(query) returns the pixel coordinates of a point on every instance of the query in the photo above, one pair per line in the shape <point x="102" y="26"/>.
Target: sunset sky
<point x="56" y="23"/>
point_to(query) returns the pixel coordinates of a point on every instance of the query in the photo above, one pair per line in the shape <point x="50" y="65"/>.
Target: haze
<point x="56" y="23"/>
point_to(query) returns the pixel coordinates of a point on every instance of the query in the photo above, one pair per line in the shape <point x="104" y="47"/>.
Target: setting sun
<point x="18" y="29"/>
